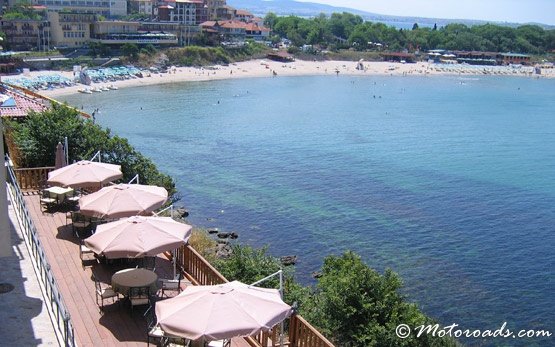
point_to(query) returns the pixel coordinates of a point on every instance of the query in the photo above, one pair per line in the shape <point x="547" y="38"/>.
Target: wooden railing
<point x="198" y="268"/>
<point x="267" y="338"/>
<point x="301" y="333"/>
<point x="32" y="178"/>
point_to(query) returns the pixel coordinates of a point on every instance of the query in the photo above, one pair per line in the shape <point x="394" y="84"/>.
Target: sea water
<point x="449" y="181"/>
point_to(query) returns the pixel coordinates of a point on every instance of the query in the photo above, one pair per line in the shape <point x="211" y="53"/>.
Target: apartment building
<point x="146" y="7"/>
<point x="69" y="29"/>
<point x="107" y="8"/>
<point x="212" y="8"/>
<point x="26" y="34"/>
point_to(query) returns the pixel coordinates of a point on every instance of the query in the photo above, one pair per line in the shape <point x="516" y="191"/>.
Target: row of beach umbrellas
<point x="207" y="313"/>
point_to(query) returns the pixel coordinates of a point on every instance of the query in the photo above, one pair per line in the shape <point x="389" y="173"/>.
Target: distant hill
<point x="312" y="9"/>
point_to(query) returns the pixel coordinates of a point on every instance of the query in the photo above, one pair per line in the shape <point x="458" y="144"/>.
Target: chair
<point x="170" y="285"/>
<point x="149" y="263"/>
<point x="153" y="330"/>
<point x="219" y="343"/>
<point x="103" y="293"/>
<point x="73" y="199"/>
<point x="84" y="253"/>
<point x="81" y="226"/>
<point x="176" y="341"/>
<point x="139" y="296"/>
<point x="46" y="202"/>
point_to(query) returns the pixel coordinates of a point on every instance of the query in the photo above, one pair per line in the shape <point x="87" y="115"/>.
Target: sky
<point x="517" y="11"/>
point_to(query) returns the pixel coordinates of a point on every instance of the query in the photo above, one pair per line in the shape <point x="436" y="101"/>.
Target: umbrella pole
<point x="66" y="150"/>
<point x="173" y="261"/>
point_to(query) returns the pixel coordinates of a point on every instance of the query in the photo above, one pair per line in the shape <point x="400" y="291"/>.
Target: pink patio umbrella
<point x="123" y="200"/>
<point x="60" y="160"/>
<point x="137" y="237"/>
<point x="223" y="311"/>
<point x="84" y="173"/>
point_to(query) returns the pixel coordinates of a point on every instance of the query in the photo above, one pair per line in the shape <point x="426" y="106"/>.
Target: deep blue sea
<point x="449" y="181"/>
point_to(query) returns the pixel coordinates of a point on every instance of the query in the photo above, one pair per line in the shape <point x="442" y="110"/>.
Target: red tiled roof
<point x="209" y="23"/>
<point x="24" y="105"/>
<point x="243" y="13"/>
<point x="255" y="27"/>
<point x="234" y="24"/>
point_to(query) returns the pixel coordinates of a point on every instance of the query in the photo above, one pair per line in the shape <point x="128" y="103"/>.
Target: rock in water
<point x="183" y="213"/>
<point x="288" y="260"/>
<point x="316" y="274"/>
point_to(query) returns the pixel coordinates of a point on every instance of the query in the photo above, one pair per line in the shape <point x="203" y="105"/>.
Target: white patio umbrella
<point x="123" y="200"/>
<point x="223" y="311"/>
<point x="84" y="173"/>
<point x="137" y="237"/>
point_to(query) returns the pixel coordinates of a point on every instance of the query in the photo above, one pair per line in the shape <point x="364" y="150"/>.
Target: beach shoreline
<point x="268" y="68"/>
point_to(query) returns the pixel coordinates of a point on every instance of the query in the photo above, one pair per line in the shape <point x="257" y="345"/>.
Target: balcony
<point x="117" y="326"/>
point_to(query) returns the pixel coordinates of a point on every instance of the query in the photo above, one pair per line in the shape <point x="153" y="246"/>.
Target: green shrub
<point x="36" y="137"/>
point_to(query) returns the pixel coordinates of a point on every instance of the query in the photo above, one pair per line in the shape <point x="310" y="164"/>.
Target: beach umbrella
<point x="222" y="311"/>
<point x="138" y="236"/>
<point x="84" y="173"/>
<point x="60" y="161"/>
<point x="123" y="200"/>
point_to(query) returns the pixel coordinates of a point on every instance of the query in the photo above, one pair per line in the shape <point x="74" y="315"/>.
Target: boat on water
<point x="112" y="87"/>
<point x="105" y="88"/>
<point x="96" y="90"/>
<point x="84" y="90"/>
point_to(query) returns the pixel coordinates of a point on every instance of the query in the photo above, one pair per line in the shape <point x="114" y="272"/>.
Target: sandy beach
<point x="266" y="68"/>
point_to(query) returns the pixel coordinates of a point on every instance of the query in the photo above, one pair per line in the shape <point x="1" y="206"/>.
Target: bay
<point x="447" y="180"/>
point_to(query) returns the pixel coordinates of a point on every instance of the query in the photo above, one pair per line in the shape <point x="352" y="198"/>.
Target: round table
<point x="136" y="277"/>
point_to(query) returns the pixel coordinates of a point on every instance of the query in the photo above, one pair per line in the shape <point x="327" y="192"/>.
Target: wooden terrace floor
<point x="117" y="325"/>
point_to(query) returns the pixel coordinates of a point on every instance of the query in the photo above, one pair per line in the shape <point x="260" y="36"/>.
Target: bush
<point x="359" y="307"/>
<point x="200" y="56"/>
<point x="351" y="303"/>
<point x="35" y="139"/>
<point x="248" y="265"/>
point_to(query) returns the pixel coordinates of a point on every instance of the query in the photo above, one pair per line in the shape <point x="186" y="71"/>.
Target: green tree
<point x="22" y="10"/>
<point x="270" y="20"/>
<point x="149" y="49"/>
<point x="98" y="49"/>
<point x="38" y="134"/>
<point x="130" y="50"/>
<point x="534" y="35"/>
<point x="343" y="24"/>
<point x="359" y="307"/>
<point x="248" y="265"/>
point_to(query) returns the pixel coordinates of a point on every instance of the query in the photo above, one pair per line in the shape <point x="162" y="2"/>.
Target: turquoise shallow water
<point x="447" y="180"/>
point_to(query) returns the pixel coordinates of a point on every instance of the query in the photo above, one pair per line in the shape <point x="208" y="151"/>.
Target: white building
<point x="106" y="8"/>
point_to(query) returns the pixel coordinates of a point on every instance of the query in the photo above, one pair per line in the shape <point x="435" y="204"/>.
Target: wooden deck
<point x="117" y="325"/>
